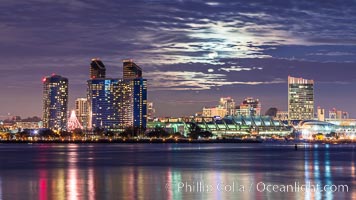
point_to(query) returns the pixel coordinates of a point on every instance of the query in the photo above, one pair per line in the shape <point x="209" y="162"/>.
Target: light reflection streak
<point x="59" y="184"/>
<point x="91" y="186"/>
<point x="316" y="170"/>
<point x="72" y="183"/>
<point x="43" y="185"/>
<point x="169" y="182"/>
<point x="306" y="170"/>
<point x="328" y="176"/>
<point x="0" y="188"/>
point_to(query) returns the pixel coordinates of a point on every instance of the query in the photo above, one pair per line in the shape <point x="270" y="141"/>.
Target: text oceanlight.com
<point x="204" y="187"/>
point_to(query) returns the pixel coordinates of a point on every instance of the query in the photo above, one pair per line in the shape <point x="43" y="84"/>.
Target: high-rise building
<point x="133" y="103"/>
<point x="55" y="102"/>
<point x="81" y="111"/>
<point x="131" y="70"/>
<point x="229" y="104"/>
<point x="249" y="107"/>
<point x="140" y="102"/>
<point x="97" y="69"/>
<point x="103" y="103"/>
<point x="134" y="96"/>
<point x="300" y="99"/>
<point x="150" y="111"/>
<point x="118" y="103"/>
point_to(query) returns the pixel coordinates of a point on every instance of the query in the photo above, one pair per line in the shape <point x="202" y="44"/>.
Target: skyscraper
<point x="55" y="102"/>
<point x="300" y="99"/>
<point x="81" y="111"/>
<point x="140" y="102"/>
<point x="134" y="96"/>
<point x="118" y="103"/>
<point x="97" y="69"/>
<point x="103" y="107"/>
<point x="131" y="70"/>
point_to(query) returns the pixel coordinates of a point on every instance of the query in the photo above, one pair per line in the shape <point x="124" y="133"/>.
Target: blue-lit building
<point x="118" y="103"/>
<point x="55" y="102"/>
<point x="134" y="96"/>
<point x="139" y="102"/>
<point x="103" y="103"/>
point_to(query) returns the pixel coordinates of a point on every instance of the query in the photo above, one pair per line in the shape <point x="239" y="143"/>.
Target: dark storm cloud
<point x="226" y="46"/>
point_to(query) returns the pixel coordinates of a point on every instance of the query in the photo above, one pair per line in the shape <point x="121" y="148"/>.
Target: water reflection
<point x="72" y="184"/>
<point x="91" y="172"/>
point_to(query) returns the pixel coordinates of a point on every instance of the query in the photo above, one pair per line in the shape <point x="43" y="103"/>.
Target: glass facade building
<point x="131" y="70"/>
<point x="139" y="102"/>
<point x="103" y="106"/>
<point x="97" y="69"/>
<point x="118" y="103"/>
<point x="55" y="102"/>
<point x="300" y="99"/>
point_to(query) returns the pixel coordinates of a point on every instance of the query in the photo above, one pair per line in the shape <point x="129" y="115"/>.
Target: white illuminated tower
<point x="73" y="122"/>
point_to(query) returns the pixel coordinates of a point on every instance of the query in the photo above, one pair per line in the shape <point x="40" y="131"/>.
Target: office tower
<point x="229" y="104"/>
<point x="300" y="99"/>
<point x="55" y="102"/>
<point x="103" y="107"/>
<point x="249" y="107"/>
<point x="131" y="70"/>
<point x="81" y="111"/>
<point x="97" y="69"/>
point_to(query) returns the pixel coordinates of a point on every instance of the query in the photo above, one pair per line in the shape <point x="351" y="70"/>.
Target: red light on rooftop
<point x="44" y="79"/>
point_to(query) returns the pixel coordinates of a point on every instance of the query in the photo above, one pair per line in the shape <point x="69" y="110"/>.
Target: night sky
<point x="192" y="52"/>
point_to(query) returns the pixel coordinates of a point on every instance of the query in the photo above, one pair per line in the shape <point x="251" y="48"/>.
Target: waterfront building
<point x="28" y="125"/>
<point x="321" y="114"/>
<point x="118" y="103"/>
<point x="81" y="111"/>
<point x="229" y="104"/>
<point x="133" y="111"/>
<point x="97" y="69"/>
<point x="300" y="99"/>
<point x="227" y="126"/>
<point x="103" y="107"/>
<point x="338" y="114"/>
<point x="55" y="102"/>
<point x="282" y="115"/>
<point x="150" y="111"/>
<point x="131" y="70"/>
<point x="133" y="103"/>
<point x="214" y="111"/>
<point x="249" y="107"/>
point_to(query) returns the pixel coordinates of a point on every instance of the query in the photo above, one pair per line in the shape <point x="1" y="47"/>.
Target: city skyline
<point x="193" y="53"/>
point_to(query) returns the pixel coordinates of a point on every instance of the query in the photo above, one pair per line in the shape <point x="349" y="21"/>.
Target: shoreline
<point x="170" y="141"/>
<point x="130" y="141"/>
